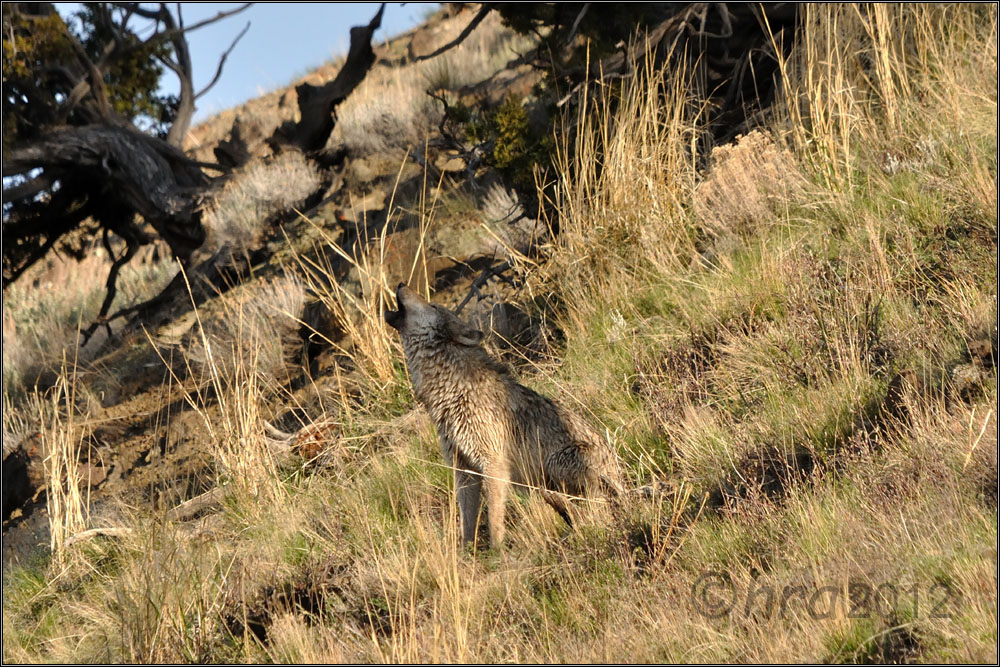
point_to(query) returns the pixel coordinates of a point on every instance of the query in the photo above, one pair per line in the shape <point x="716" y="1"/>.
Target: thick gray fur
<point x="494" y="430"/>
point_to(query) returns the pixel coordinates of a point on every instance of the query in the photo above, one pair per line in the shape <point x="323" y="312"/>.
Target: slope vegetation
<point x="792" y="337"/>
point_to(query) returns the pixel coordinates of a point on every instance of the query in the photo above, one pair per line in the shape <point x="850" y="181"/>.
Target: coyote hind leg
<point x="468" y="487"/>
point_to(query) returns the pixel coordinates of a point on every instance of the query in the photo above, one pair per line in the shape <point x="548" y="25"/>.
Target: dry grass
<point x="245" y="351"/>
<point x="44" y="310"/>
<point x="390" y="112"/>
<point x="358" y="309"/>
<point x="256" y="328"/>
<point x="622" y="190"/>
<point x="66" y="503"/>
<point x="866" y="80"/>
<point x="237" y="216"/>
<point x="842" y="507"/>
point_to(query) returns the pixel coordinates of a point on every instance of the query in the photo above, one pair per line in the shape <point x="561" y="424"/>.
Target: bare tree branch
<point x="222" y="62"/>
<point x="57" y="227"/>
<point x="182" y="67"/>
<point x="82" y="159"/>
<point x="484" y="277"/>
<point x="576" y="23"/>
<point x="95" y="84"/>
<point x="476" y="20"/>
<point x="131" y="246"/>
<point x="126" y="16"/>
<point x="727" y="21"/>
<point x="172" y="31"/>
<point x="28" y="188"/>
<point x="175" y="32"/>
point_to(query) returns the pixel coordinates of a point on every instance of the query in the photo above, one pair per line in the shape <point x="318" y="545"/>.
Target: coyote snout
<point x="494" y="430"/>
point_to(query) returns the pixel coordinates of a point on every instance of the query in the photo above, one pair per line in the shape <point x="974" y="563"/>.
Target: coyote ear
<point x="462" y="333"/>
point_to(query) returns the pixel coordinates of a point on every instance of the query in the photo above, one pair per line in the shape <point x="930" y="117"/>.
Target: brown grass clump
<point x="67" y="493"/>
<point x="816" y="405"/>
<point x="236" y="218"/>
<point x="748" y="184"/>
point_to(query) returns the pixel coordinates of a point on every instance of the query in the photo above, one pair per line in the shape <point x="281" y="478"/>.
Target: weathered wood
<point x="234" y="151"/>
<point x="317" y="103"/>
<point x="190" y="508"/>
<point x="131" y="170"/>
<point x="83" y="157"/>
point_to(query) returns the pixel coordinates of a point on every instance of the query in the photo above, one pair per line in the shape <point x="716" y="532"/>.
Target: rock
<point x="28" y="537"/>
<point x="449" y="162"/>
<point x="362" y="209"/>
<point x="361" y="171"/>
<point x="429" y="39"/>
<point x="967" y="379"/>
<point x="440" y="30"/>
<point x="502" y="212"/>
<point x="92" y="474"/>
<point x="402" y="261"/>
<point x="182" y="427"/>
<point x="17" y="484"/>
<point x="982" y="352"/>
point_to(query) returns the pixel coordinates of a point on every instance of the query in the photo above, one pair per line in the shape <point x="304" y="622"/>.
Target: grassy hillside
<point x="798" y="340"/>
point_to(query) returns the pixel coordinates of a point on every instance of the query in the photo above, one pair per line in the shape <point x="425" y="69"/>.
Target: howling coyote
<point x="494" y="430"/>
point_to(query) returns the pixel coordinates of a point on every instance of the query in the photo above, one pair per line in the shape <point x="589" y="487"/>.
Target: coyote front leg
<point x="497" y="482"/>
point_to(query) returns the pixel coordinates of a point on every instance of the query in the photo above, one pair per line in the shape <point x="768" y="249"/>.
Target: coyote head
<point x="417" y="319"/>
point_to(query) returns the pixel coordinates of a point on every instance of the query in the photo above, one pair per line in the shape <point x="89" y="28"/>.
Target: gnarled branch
<point x="476" y="20"/>
<point x="129" y="161"/>
<point x="222" y="62"/>
<point x="483" y="278"/>
<point x="317" y="103"/>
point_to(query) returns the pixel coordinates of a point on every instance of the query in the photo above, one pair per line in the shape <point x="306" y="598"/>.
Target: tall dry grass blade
<point x="62" y="440"/>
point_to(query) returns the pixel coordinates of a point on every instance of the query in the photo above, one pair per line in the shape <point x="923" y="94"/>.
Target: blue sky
<point x="286" y="40"/>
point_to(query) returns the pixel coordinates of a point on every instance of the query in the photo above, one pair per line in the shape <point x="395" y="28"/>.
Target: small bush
<point x="236" y="218"/>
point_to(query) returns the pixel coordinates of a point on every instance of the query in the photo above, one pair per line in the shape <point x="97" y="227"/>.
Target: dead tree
<point x="317" y="104"/>
<point x="75" y="159"/>
<point x="80" y="159"/>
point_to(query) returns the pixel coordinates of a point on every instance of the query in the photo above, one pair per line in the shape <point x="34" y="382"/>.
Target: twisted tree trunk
<point x="317" y="103"/>
<point x="126" y="170"/>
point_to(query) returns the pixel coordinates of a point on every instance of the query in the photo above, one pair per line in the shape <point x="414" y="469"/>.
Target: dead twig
<point x="476" y="20"/>
<point x="189" y="508"/>
<point x="484" y="277"/>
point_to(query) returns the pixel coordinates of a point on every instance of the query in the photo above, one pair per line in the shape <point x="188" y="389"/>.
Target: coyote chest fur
<point x="494" y="430"/>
